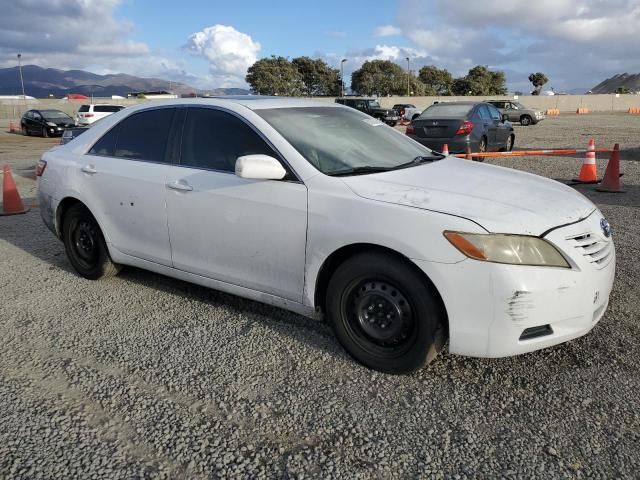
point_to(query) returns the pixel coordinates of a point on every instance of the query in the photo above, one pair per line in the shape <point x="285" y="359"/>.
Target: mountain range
<point x="42" y="82"/>
<point x="632" y="82"/>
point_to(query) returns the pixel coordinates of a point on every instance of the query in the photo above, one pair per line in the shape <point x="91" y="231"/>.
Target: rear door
<point x="124" y="178"/>
<point x="502" y="129"/>
<point x="488" y="124"/>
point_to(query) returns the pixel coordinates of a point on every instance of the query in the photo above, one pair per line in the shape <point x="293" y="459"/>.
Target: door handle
<point x="89" y="169"/>
<point x="180" y="185"/>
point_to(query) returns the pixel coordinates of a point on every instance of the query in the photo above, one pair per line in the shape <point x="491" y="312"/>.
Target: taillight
<point x="42" y="164"/>
<point x="410" y="129"/>
<point x="87" y="115"/>
<point x="465" y="128"/>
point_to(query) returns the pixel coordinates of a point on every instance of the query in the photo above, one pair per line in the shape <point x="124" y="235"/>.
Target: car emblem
<point x="434" y="123"/>
<point x="606" y="228"/>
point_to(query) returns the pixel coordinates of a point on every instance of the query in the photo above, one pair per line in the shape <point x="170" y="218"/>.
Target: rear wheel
<point x="384" y="313"/>
<point x="25" y="131"/>
<point x="85" y="245"/>
<point x="482" y="146"/>
<point x="525" y="120"/>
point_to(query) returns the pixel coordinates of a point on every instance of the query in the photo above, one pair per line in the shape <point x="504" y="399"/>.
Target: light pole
<point x="20" y="70"/>
<point x="342" y="77"/>
<point x="408" y="78"/>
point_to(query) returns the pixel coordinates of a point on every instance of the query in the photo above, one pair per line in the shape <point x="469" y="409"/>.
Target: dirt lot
<point x="143" y="376"/>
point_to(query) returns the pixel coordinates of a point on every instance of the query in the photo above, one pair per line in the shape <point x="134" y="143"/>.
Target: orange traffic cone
<point x="588" y="172"/>
<point x="611" y="181"/>
<point x="445" y="149"/>
<point x="11" y="202"/>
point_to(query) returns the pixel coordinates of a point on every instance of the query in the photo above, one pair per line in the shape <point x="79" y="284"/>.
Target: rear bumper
<point x="490" y="306"/>
<point x="456" y="144"/>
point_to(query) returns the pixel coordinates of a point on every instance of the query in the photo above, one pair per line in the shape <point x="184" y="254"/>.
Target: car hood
<point x="499" y="199"/>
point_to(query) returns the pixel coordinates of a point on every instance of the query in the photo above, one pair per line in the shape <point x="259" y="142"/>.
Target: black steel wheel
<point x="384" y="313"/>
<point x="85" y="245"/>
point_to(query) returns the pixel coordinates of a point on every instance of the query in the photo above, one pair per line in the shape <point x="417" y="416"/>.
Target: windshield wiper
<point x="359" y="171"/>
<point x="420" y="159"/>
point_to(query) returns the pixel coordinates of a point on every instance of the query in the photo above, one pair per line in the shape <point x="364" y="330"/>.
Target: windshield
<point x="55" y="115"/>
<point x="373" y="104"/>
<point x="441" y="110"/>
<point x="519" y="105"/>
<point x="339" y="139"/>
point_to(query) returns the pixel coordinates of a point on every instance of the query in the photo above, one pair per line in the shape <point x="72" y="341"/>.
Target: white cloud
<point x="229" y="53"/>
<point x="387" y="31"/>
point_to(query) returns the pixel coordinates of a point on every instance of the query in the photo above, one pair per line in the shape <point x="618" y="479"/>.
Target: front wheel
<point x="45" y="134"/>
<point x="384" y="313"/>
<point x="392" y="123"/>
<point x="85" y="245"/>
<point x="525" y="120"/>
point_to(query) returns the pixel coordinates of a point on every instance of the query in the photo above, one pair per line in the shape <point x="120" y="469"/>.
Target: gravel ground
<point x="143" y="376"/>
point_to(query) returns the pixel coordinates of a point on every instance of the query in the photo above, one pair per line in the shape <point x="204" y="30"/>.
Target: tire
<point x="509" y="145"/>
<point x="384" y="313"/>
<point x="525" y="120"/>
<point x="482" y="146"/>
<point x="25" y="131"/>
<point x="45" y="134"/>
<point x="85" y="245"/>
<point x="392" y="124"/>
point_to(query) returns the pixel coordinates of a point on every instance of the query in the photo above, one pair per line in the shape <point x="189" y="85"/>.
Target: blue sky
<point x="209" y="44"/>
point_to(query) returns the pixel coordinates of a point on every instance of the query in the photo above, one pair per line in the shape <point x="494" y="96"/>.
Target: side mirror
<point x="259" y="167"/>
<point x="505" y="117"/>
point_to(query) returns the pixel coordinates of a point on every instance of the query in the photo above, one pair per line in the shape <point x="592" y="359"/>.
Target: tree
<point x="538" y="80"/>
<point x="275" y="76"/>
<point x="623" y="90"/>
<point x="483" y="81"/>
<point x="435" y="80"/>
<point x="380" y="77"/>
<point x="317" y="77"/>
<point x="461" y="87"/>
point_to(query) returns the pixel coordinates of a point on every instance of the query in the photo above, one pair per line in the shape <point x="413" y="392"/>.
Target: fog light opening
<point x="535" y="332"/>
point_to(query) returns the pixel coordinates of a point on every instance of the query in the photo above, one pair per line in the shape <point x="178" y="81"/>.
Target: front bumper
<point x="490" y="305"/>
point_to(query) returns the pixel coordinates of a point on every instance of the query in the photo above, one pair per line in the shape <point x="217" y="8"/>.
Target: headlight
<point x="510" y="249"/>
<point x="51" y="124"/>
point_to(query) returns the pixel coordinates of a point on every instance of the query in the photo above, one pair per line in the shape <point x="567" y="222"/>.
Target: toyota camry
<point x="320" y="209"/>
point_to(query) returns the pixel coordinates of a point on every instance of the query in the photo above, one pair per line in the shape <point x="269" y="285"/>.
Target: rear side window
<point x="107" y="108"/>
<point x="494" y="113"/>
<point x="83" y="108"/>
<point x="484" y="112"/>
<point x="141" y="136"/>
<point x="213" y="139"/>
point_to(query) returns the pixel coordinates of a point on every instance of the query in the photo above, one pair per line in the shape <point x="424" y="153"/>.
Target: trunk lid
<point x="436" y="127"/>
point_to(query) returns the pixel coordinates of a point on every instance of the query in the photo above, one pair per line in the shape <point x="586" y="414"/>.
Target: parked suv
<point x="372" y="107"/>
<point x="517" y="112"/>
<point x="87" y="114"/>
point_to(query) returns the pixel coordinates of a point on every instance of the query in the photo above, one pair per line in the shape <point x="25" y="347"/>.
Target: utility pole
<point x="408" y="78"/>
<point x="342" y="77"/>
<point x="20" y="70"/>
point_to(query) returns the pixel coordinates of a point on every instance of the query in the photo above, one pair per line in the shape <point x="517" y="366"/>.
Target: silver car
<point x="517" y="112"/>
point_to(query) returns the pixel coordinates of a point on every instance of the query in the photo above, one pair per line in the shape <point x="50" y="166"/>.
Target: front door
<point x="250" y="233"/>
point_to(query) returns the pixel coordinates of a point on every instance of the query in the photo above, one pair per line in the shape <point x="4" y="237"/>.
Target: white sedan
<point x="323" y="210"/>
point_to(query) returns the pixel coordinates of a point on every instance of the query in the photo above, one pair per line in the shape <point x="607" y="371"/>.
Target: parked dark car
<point x="517" y="112"/>
<point x="372" y="107"/>
<point x="47" y="123"/>
<point x="71" y="133"/>
<point x="461" y="125"/>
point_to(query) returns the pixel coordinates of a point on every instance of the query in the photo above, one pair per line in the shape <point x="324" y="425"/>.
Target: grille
<point x="595" y="249"/>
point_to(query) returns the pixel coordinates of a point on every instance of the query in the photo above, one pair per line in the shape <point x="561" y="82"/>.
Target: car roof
<point x="252" y="102"/>
<point x="460" y="102"/>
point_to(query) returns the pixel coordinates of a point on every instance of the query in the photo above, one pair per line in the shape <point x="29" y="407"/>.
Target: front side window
<point x="336" y="140"/>
<point x="213" y="140"/>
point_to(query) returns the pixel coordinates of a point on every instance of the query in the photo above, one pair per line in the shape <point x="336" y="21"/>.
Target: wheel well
<point x="63" y="208"/>
<point x="525" y="116"/>
<point x="338" y="257"/>
<point x="416" y="115"/>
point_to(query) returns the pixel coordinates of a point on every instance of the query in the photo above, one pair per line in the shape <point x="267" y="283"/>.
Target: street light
<point x="342" y="77"/>
<point x="20" y="70"/>
<point x="408" y="78"/>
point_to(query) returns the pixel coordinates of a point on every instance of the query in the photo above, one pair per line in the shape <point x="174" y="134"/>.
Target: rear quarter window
<point x="83" y="108"/>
